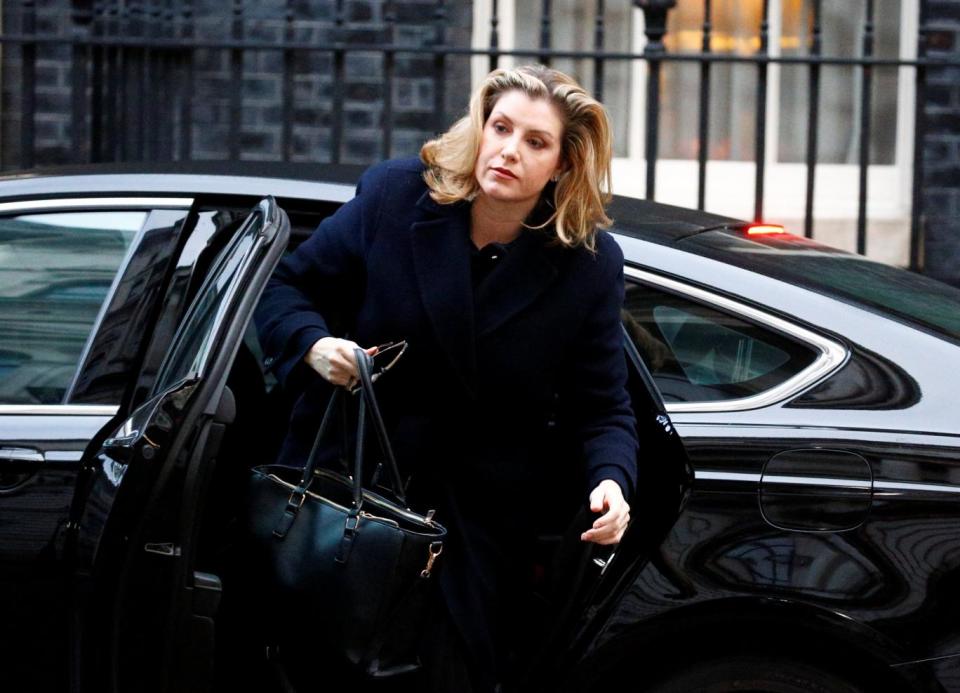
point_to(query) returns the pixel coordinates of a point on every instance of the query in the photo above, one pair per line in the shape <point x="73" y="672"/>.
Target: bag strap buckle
<point x="294" y="503"/>
<point x="294" y="506"/>
<point x="350" y="528"/>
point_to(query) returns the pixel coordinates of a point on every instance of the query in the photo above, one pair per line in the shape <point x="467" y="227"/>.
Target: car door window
<point x="56" y="270"/>
<point x="196" y="337"/>
<point x="697" y="353"/>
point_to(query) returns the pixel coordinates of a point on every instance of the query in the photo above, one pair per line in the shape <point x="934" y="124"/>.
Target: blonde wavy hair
<point x="579" y="197"/>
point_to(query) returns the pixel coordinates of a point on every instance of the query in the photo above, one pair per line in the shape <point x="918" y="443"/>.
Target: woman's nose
<point x="509" y="148"/>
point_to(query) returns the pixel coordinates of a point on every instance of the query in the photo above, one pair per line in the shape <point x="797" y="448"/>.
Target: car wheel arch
<point x="746" y="626"/>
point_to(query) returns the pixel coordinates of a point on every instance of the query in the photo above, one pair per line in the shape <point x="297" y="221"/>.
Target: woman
<point x="486" y="256"/>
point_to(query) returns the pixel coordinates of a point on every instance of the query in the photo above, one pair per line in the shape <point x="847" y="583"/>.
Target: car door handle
<point x="21" y="456"/>
<point x="17" y="467"/>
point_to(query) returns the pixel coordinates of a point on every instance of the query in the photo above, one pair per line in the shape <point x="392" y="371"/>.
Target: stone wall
<point x="148" y="115"/>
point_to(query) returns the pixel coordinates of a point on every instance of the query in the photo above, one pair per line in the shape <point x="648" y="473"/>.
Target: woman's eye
<point x="537" y="144"/>
<point x="499" y="127"/>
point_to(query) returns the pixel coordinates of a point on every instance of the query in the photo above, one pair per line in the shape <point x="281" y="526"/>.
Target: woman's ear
<point x="560" y="170"/>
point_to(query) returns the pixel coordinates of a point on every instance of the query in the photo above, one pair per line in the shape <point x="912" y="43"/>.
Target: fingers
<point x="334" y="360"/>
<point x="609" y="527"/>
<point x="598" y="500"/>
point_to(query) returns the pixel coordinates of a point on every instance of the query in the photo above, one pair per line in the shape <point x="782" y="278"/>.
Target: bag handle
<point x="368" y="401"/>
<point x="364" y="361"/>
<point x="299" y="494"/>
<point x="311" y="464"/>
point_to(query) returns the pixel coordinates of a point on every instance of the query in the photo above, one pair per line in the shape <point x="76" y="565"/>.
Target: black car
<point x="802" y="532"/>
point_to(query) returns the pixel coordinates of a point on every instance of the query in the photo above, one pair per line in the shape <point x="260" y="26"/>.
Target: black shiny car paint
<point x="824" y="527"/>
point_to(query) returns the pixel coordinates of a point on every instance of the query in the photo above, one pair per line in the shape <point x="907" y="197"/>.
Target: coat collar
<point x="515" y="282"/>
<point x="441" y="253"/>
<point x="441" y="258"/>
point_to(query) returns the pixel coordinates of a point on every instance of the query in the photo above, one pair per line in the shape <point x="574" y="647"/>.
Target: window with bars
<point x="734" y="31"/>
<point x="799" y="109"/>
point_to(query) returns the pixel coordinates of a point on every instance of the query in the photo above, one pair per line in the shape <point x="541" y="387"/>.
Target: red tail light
<point x="764" y="229"/>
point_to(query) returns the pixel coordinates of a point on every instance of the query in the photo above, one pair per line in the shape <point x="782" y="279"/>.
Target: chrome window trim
<point x="832" y="353"/>
<point x="826" y="482"/>
<point x="80" y="203"/>
<point x="63" y="455"/>
<point x="709" y="475"/>
<point x="178" y="184"/>
<point x="914" y="486"/>
<point x="60" y="409"/>
<point x="788" y="480"/>
<point x="823" y="481"/>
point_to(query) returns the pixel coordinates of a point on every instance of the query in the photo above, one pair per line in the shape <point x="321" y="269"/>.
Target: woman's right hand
<point x="334" y="360"/>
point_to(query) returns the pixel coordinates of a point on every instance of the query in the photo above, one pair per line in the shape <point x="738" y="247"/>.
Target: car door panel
<point x="68" y="264"/>
<point x="61" y="431"/>
<point x="664" y="480"/>
<point x="902" y="538"/>
<point x="142" y="491"/>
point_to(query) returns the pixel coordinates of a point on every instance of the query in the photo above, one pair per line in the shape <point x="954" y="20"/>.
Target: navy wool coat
<point x="486" y="375"/>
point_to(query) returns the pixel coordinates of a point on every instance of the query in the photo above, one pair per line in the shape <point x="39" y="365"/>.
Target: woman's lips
<point x="504" y="173"/>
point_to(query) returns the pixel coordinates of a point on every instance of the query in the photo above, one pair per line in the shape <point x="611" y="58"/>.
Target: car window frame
<point x="88" y="203"/>
<point x="831" y="354"/>
<point x="257" y="218"/>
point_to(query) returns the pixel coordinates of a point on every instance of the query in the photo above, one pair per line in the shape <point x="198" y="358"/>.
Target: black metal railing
<point x="134" y="69"/>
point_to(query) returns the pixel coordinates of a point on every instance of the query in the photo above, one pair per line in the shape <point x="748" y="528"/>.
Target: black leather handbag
<point x="350" y="565"/>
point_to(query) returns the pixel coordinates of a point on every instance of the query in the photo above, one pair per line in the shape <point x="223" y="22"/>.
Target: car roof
<point x="653" y="221"/>
<point x="305" y="171"/>
<point x="662" y="223"/>
<point x="322" y="182"/>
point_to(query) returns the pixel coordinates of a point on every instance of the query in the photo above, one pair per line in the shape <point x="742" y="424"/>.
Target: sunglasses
<point x="386" y="358"/>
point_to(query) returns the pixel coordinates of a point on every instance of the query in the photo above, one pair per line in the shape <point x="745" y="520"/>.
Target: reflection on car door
<point x="133" y="518"/>
<point x="61" y="262"/>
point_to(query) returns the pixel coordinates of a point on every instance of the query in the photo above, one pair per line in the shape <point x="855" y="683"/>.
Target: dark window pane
<point x="55" y="272"/>
<point x="194" y="341"/>
<point x="697" y="353"/>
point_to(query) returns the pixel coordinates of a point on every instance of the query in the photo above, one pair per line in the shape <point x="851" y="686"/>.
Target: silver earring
<point x="556" y="178"/>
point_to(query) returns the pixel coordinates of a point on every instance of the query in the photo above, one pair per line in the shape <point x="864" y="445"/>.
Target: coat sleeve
<point x="598" y="404"/>
<point x="316" y="290"/>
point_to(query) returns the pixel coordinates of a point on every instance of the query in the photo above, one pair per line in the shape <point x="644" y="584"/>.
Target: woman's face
<point x="519" y="149"/>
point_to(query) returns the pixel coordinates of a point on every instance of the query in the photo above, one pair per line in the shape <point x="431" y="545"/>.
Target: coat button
<point x="269" y="361"/>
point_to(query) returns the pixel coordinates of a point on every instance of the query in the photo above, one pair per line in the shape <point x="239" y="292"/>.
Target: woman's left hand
<point x="607" y="498"/>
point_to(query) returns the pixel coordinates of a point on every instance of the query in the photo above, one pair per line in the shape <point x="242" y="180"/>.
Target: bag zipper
<point x="428" y="520"/>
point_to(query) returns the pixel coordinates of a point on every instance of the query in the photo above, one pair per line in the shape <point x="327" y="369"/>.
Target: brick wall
<point x="941" y="146"/>
<point x="52" y="134"/>
<point x="411" y="94"/>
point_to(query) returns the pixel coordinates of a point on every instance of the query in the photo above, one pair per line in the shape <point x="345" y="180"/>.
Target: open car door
<point x="594" y="578"/>
<point x="142" y="614"/>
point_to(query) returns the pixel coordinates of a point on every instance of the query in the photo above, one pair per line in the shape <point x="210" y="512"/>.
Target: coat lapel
<point x="520" y="277"/>
<point x="441" y="255"/>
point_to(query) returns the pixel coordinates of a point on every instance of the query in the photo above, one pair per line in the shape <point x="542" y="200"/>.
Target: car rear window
<point x="699" y="353"/>
<point x="903" y="295"/>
